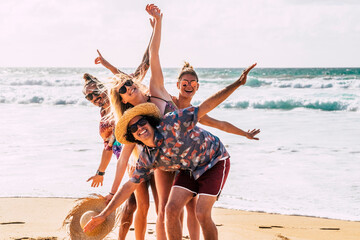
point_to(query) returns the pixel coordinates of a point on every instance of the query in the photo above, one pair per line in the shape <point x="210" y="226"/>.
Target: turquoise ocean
<point x="307" y="161"/>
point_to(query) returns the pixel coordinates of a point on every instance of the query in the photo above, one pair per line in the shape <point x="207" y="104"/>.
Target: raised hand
<point x="154" y="11"/>
<point x="244" y="74"/>
<point x="96" y="180"/>
<point x="251" y="134"/>
<point x="93" y="223"/>
<point x="101" y="60"/>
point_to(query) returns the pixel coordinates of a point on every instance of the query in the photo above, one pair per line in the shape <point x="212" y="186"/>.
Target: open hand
<point x="96" y="180"/>
<point x="93" y="223"/>
<point x="244" y="74"/>
<point x="251" y="134"/>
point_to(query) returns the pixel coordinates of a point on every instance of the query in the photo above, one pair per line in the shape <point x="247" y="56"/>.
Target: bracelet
<point x="111" y="193"/>
<point x="100" y="173"/>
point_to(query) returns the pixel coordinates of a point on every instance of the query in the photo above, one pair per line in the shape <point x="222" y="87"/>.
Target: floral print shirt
<point x="180" y="145"/>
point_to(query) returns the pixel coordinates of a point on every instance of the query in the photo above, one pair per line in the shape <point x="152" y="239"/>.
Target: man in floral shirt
<point x="172" y="143"/>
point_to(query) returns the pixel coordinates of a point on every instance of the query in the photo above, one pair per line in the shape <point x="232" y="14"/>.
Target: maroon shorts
<point x="210" y="182"/>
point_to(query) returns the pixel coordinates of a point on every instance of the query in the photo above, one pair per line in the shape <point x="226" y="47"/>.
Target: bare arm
<point x="142" y="69"/>
<point x="228" y="127"/>
<point x="121" y="168"/>
<point x="121" y="196"/>
<point x="101" y="60"/>
<point x="105" y="159"/>
<point x="156" y="85"/>
<point x="213" y="101"/>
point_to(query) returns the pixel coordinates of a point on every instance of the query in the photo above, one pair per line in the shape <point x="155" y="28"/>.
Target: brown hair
<point x="187" y="69"/>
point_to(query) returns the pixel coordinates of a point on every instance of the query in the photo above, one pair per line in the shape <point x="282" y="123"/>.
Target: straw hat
<point x="148" y="109"/>
<point x="81" y="212"/>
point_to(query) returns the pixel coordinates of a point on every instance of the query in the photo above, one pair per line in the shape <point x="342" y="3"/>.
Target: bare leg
<point x="126" y="216"/>
<point x="192" y="222"/>
<point x="203" y="213"/>
<point x="154" y="192"/>
<point x="140" y="222"/>
<point x="164" y="181"/>
<point x="177" y="200"/>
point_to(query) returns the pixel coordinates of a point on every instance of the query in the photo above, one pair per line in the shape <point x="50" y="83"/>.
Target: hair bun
<point x="186" y="66"/>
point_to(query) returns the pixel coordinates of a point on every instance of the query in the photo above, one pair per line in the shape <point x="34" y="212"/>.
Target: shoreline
<point x="41" y="218"/>
<point x="231" y="209"/>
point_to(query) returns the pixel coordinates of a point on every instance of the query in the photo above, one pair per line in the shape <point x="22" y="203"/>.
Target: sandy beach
<point x="41" y="218"/>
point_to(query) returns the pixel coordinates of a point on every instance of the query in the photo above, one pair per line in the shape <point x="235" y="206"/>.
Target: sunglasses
<point x="92" y="95"/>
<point x="123" y="89"/>
<point x="193" y="83"/>
<point x="141" y="122"/>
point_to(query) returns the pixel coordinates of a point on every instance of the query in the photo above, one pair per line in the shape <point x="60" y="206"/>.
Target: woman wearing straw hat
<point x="125" y="94"/>
<point x="171" y="143"/>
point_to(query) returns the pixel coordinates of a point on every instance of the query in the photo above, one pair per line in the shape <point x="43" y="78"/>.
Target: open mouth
<point x="132" y="91"/>
<point x="142" y="132"/>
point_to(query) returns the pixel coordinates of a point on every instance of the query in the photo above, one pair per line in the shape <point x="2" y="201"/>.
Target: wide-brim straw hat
<point x="148" y="109"/>
<point x="94" y="203"/>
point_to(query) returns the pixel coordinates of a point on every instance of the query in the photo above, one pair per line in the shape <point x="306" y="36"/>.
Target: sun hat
<point x="82" y="211"/>
<point x="149" y="109"/>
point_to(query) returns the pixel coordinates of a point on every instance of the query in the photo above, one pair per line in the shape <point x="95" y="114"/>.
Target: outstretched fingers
<point x="93" y="223"/>
<point x="244" y="74"/>
<point x="247" y="70"/>
<point x="253" y="132"/>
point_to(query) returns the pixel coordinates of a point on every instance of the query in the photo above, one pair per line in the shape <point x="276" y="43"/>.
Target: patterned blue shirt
<point x="180" y="144"/>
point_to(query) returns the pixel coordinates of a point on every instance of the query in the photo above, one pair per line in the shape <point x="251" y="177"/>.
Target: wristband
<point x="100" y="173"/>
<point x="111" y="193"/>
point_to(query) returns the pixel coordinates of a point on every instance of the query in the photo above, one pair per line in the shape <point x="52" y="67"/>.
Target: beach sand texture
<point x="41" y="218"/>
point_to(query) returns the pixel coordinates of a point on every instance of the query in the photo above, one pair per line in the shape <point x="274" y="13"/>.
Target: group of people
<point x="155" y="138"/>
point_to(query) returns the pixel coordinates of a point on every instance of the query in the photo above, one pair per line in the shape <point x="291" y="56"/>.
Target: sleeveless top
<point x="170" y="105"/>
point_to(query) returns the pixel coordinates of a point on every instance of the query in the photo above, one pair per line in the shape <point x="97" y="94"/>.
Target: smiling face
<point x="129" y="92"/>
<point x="95" y="95"/>
<point x="188" y="85"/>
<point x="142" y="130"/>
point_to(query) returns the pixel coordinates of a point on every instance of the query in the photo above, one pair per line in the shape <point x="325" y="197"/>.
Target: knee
<point x="202" y="216"/>
<point x="172" y="211"/>
<point x="130" y="205"/>
<point x="143" y="207"/>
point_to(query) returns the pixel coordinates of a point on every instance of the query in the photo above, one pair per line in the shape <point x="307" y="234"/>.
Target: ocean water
<point x="307" y="161"/>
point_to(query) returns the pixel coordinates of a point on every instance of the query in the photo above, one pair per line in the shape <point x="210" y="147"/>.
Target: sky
<point x="207" y="33"/>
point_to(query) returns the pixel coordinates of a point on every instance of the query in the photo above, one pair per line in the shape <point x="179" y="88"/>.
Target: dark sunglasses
<point x="141" y="122"/>
<point x="123" y="89"/>
<point x="92" y="95"/>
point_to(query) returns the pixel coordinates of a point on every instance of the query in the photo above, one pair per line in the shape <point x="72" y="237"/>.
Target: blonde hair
<point x="115" y="98"/>
<point x="187" y="69"/>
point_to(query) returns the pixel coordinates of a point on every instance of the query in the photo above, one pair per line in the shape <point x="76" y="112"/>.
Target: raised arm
<point x="141" y="70"/>
<point x="213" y="101"/>
<point x="101" y="60"/>
<point x="228" y="127"/>
<point x="156" y="85"/>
